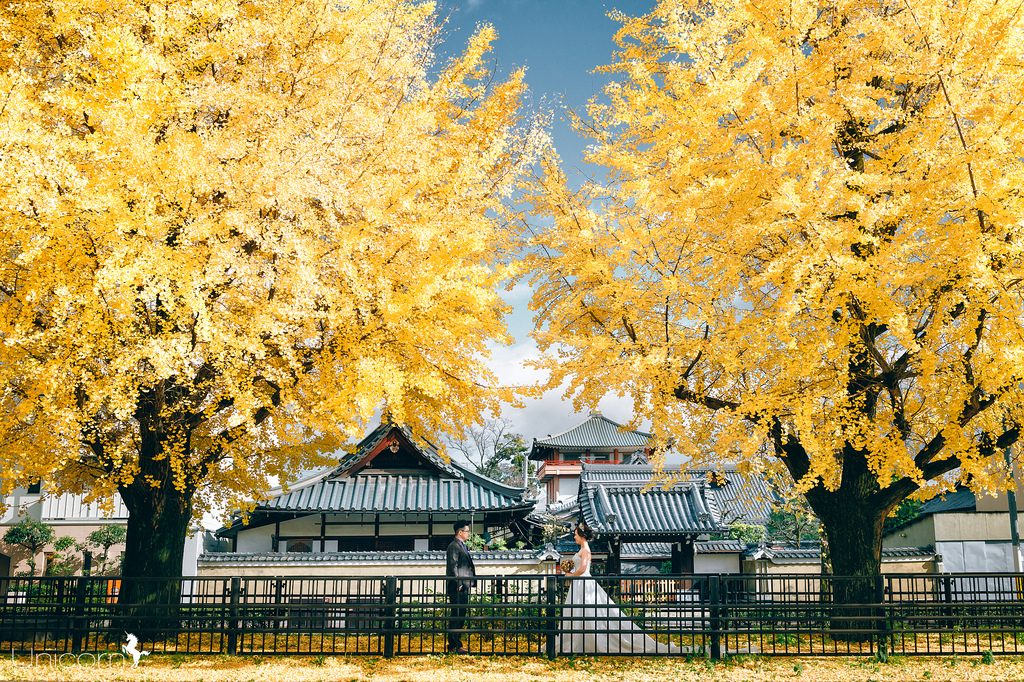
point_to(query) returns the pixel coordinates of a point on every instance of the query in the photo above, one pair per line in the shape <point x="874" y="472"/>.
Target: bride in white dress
<point x="591" y="622"/>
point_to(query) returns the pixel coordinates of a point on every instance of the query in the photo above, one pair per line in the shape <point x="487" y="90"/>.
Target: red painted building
<point x="596" y="440"/>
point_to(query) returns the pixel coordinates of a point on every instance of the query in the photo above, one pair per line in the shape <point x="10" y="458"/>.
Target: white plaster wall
<point x="972" y="526"/>
<point x="716" y="563"/>
<point x="568" y="488"/>
<point x="286" y="568"/>
<point x="367" y="529"/>
<point x="975" y="556"/>
<point x="190" y="558"/>
<point x="20" y="504"/>
<point x="917" y="534"/>
<point x="306" y="525"/>
<point x="255" y="539"/>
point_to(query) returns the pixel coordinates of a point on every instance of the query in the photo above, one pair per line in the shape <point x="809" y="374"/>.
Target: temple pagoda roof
<point x="390" y="472"/>
<point x="595" y="434"/>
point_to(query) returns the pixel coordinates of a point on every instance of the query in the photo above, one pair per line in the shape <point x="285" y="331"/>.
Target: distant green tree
<point x="496" y="452"/>
<point x="509" y="461"/>
<point x="793" y="526"/>
<point x="479" y="543"/>
<point x="749" y="533"/>
<point x="792" y="521"/>
<point x="907" y="511"/>
<point x="65" y="559"/>
<point x="32" y="536"/>
<point x="103" y="539"/>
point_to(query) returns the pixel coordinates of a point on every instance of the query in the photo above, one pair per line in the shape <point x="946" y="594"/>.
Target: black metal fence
<point x="702" y="615"/>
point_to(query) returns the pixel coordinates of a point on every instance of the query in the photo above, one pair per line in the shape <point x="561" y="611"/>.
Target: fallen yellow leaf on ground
<point x="181" y="668"/>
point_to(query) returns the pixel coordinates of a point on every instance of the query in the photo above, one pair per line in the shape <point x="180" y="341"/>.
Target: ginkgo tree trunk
<point x="807" y="252"/>
<point x="233" y="231"/>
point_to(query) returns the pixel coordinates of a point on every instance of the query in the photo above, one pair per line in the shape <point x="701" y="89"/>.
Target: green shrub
<point x="786" y="639"/>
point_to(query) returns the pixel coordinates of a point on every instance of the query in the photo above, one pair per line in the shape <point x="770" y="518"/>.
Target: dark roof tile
<point x="745" y="497"/>
<point x="629" y="509"/>
<point x="595" y="433"/>
<point x="961" y="499"/>
<point x="812" y="552"/>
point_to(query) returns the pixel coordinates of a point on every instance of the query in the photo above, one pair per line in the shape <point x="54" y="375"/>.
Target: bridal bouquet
<point x="567" y="565"/>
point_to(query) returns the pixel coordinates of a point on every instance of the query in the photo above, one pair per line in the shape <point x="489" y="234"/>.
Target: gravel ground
<point x="177" y="668"/>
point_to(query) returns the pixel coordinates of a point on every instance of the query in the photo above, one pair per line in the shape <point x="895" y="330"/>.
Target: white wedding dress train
<point x="593" y="624"/>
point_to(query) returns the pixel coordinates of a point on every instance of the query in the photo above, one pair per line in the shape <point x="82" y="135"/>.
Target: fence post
<point x="882" y="615"/>
<point x="57" y="600"/>
<point x="390" y="601"/>
<point x="716" y="617"/>
<point x="947" y="598"/>
<point x="78" y="624"/>
<point x="550" y="615"/>
<point x="233" y="624"/>
<point x="278" y="602"/>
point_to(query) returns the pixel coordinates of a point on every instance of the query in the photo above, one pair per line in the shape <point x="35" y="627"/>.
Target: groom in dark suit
<point x="460" y="571"/>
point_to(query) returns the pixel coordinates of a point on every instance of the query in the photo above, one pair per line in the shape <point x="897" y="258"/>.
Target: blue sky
<point x="560" y="42"/>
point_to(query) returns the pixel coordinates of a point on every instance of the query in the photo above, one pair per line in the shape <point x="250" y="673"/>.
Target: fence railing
<point x="712" y="615"/>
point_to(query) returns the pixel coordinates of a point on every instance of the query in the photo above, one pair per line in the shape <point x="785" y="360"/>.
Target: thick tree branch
<point x="905" y="486"/>
<point x="789" y="449"/>
<point x="685" y="394"/>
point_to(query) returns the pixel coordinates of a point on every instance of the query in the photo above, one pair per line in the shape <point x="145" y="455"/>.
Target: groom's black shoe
<point x="459" y="650"/>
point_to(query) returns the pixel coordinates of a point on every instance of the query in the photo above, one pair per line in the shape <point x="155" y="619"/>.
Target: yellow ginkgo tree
<point x="807" y="250"/>
<point x="233" y="231"/>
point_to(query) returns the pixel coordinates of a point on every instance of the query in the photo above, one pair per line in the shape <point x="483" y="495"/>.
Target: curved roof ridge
<point x="313" y="478"/>
<point x="599" y="420"/>
<point x="633" y="468"/>
<point x="427" y="450"/>
<point x="487" y="480"/>
<point x="573" y="428"/>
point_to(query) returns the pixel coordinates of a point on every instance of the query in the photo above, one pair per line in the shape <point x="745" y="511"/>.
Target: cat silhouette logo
<point x="132" y="649"/>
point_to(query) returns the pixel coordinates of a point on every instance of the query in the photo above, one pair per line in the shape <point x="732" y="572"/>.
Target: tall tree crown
<point x="810" y="235"/>
<point x="234" y="227"/>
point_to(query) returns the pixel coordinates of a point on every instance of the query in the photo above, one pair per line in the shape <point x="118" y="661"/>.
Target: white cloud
<point x="551" y="413"/>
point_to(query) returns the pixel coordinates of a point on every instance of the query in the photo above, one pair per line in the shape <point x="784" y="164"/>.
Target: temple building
<point x="598" y="471"/>
<point x="647" y="522"/>
<point x="595" y="440"/>
<point x="391" y="500"/>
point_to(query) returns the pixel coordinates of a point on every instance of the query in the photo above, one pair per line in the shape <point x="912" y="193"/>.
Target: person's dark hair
<point x="459" y="525"/>
<point x="585" y="531"/>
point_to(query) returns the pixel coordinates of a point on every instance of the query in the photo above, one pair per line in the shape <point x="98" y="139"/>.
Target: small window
<point x="35" y="488"/>
<point x="364" y="544"/>
<point x="393" y="544"/>
<point x="301" y="546"/>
